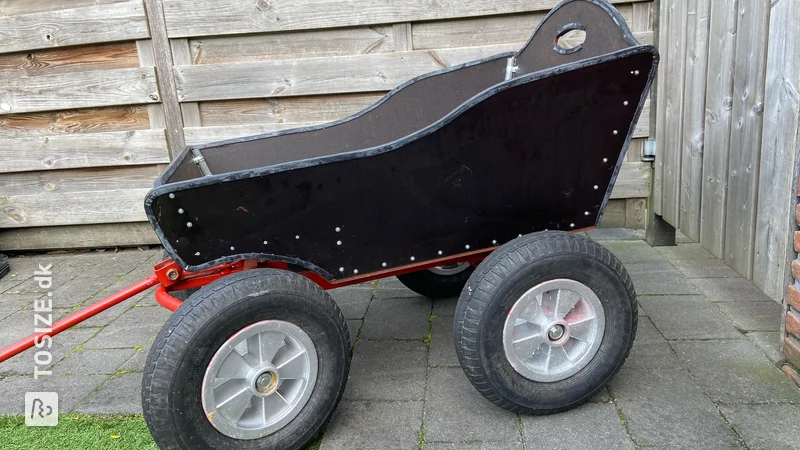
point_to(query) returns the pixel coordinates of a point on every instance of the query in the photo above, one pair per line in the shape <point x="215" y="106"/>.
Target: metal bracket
<point x="198" y="159"/>
<point x="511" y="67"/>
<point x="649" y="150"/>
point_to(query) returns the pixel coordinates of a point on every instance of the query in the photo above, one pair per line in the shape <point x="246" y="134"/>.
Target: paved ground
<point x="702" y="372"/>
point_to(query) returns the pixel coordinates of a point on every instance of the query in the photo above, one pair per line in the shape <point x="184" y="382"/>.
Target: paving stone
<point x="13" y="279"/>
<point x="601" y="397"/>
<point x="688" y="317"/>
<point x="79" y="291"/>
<point x="391" y="282"/>
<point x="11" y="303"/>
<point x="397" y="318"/>
<point x="753" y="316"/>
<point x="664" y="408"/>
<point x="94" y="362"/>
<point x="612" y="234"/>
<point x="512" y="445"/>
<point x="353" y="326"/>
<point x="395" y="292"/>
<point x="374" y="425"/>
<point x="71" y="390"/>
<point x="113" y="264"/>
<point x="133" y="328"/>
<point x="137" y="362"/>
<point x="387" y="370"/>
<point x="769" y="342"/>
<point x="569" y="430"/>
<point x="684" y="252"/>
<point x="443" y="351"/>
<point x="107" y="316"/>
<point x="735" y="372"/>
<point x="765" y="427"/>
<point x="704" y="268"/>
<point x="658" y="278"/>
<point x="650" y="350"/>
<point x="353" y="302"/>
<point x="122" y="394"/>
<point x="730" y="290"/>
<point x="632" y="251"/>
<point x="445" y="307"/>
<point x="62" y="344"/>
<point x="451" y="399"/>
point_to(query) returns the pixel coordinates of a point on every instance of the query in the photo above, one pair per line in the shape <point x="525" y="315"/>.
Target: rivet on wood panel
<point x="171" y="195"/>
<point x="265" y="242"/>
<point x="494" y="241"/>
<point x="355" y="271"/>
<point x="180" y="210"/>
<point x="189" y="224"/>
<point x="412" y="258"/>
<point x="341" y="269"/>
<point x="338" y="242"/>
<point x="466" y="247"/>
<point x="440" y="252"/>
<point x="384" y="264"/>
<point x="196" y="253"/>
<point x="232" y="248"/>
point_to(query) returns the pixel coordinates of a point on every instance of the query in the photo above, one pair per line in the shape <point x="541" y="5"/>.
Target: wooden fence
<point x="100" y="94"/>
<point x="726" y="133"/>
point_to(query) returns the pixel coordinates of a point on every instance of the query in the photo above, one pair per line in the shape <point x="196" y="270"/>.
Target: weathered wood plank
<point x="233" y="17"/>
<point x="78" y="180"/>
<point x="313" y="76"/>
<point x="642" y="16"/>
<point x="75" y="121"/>
<point x="401" y="36"/>
<point x="36" y="210"/>
<point x="670" y="144"/>
<point x="15" y="7"/>
<point x="490" y="30"/>
<point x="115" y="148"/>
<point x="633" y="180"/>
<point x="719" y="92"/>
<point x="614" y="216"/>
<point x="181" y="56"/>
<point x="694" y="117"/>
<point x="777" y="187"/>
<point x="65" y="60"/>
<point x="78" y="236"/>
<point x="79" y="90"/>
<point x="315" y="43"/>
<point x="747" y="115"/>
<point x="323" y="108"/>
<point x="75" y="26"/>
<point x="147" y="58"/>
<point x="162" y="57"/>
<point x="635" y="213"/>
<point x="661" y="23"/>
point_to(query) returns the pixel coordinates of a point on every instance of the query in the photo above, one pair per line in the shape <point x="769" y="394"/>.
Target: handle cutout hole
<point x="570" y="38"/>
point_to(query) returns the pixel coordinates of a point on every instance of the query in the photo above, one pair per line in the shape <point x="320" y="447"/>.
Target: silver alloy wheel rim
<point x="450" y="269"/>
<point x="259" y="379"/>
<point x="553" y="330"/>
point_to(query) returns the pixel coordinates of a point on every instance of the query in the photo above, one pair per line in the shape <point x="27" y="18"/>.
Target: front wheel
<point x="544" y="322"/>
<point x="255" y="360"/>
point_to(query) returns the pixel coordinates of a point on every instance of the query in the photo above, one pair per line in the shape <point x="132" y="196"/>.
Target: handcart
<point x="462" y="182"/>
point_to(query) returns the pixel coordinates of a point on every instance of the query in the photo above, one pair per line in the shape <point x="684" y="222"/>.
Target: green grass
<point x="76" y="431"/>
<point x="83" y="431"/>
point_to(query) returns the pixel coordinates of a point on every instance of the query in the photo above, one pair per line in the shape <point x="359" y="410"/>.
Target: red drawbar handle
<point x="79" y="316"/>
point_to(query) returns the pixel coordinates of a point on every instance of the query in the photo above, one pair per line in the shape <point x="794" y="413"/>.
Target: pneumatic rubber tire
<point x="174" y="373"/>
<point x="501" y="279"/>
<point x="433" y="285"/>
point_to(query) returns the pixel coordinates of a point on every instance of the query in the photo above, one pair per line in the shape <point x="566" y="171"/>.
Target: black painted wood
<point x="523" y="156"/>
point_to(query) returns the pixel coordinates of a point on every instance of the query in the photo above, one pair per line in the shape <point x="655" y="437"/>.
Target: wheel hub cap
<point x="259" y="379"/>
<point x="553" y="330"/>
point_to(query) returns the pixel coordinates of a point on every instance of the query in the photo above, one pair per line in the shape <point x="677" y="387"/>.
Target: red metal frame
<point x="168" y="276"/>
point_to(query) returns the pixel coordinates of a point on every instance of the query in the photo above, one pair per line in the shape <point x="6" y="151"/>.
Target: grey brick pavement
<point x="702" y="372"/>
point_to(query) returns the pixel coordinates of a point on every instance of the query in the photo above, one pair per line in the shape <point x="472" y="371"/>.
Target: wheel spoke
<point x="294" y="367"/>
<point x="270" y="343"/>
<point x="533" y="313"/>
<point x="566" y="301"/>
<point x="527" y="345"/>
<point x="581" y="329"/>
<point x="549" y="301"/>
<point x="234" y="366"/>
<point x="234" y="405"/>
<point x="271" y="406"/>
<point x="558" y="357"/>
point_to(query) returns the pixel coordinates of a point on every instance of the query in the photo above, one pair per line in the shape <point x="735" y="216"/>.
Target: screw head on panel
<point x="596" y="187"/>
<point x="412" y="258"/>
<point x="572" y="225"/>
<point x="625" y="103"/>
<point x="605" y="160"/>
<point x="341" y="269"/>
<point x="616" y="132"/>
<point x="466" y="246"/>
<point x="355" y="271"/>
<point x="338" y="242"/>
<point x="297" y="237"/>
<point x="384" y="264"/>
<point x="180" y="210"/>
<point x="586" y="213"/>
<point x="189" y="224"/>
<point x="440" y="253"/>
<point x="494" y="241"/>
<point x="338" y="229"/>
<point x="171" y="195"/>
<point x="265" y="242"/>
<point x="232" y="248"/>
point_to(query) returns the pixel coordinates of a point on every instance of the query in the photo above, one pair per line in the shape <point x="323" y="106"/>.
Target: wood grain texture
<point x="669" y="144"/>
<point x="66" y="60"/>
<point x="32" y="210"/>
<point x="78" y="180"/>
<point x="694" y="117"/>
<point x="780" y="144"/>
<point x="15" y="7"/>
<point x="313" y="76"/>
<point x="78" y="236"/>
<point x="635" y="213"/>
<point x="315" y="43"/>
<point x="181" y="55"/>
<point x="260" y="16"/>
<point x="323" y="108"/>
<point x="615" y="214"/>
<point x="74" y="121"/>
<point x="719" y="101"/>
<point x="745" y="141"/>
<point x="661" y="21"/>
<point x="79" y="90"/>
<point x="162" y="57"/>
<point x="74" y="26"/>
<point x="633" y="180"/>
<point x="113" y="148"/>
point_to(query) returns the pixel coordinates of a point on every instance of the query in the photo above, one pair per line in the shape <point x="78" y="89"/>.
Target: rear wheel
<point x="544" y="322"/>
<point x="255" y="360"/>
<point x="438" y="282"/>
